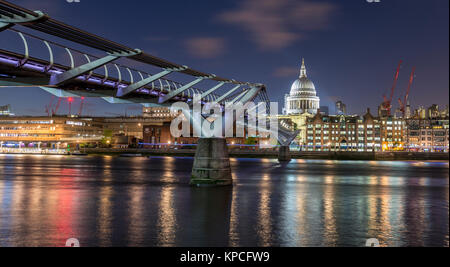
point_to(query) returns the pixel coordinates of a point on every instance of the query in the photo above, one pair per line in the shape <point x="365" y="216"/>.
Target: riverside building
<point x="354" y="133"/>
<point x="427" y="135"/>
<point x="46" y="132"/>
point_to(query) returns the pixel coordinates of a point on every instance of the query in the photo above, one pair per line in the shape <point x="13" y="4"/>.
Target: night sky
<point x="351" y="48"/>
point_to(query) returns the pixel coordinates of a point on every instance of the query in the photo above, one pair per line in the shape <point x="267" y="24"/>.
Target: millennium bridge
<point x="38" y="51"/>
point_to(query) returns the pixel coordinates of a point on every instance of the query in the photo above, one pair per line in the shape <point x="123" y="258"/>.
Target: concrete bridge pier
<point x="212" y="163"/>
<point x="284" y="154"/>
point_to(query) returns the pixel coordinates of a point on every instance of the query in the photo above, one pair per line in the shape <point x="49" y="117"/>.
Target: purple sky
<point x="351" y="48"/>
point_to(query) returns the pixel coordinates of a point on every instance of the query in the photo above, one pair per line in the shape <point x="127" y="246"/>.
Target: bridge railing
<point x="55" y="54"/>
<point x="103" y="76"/>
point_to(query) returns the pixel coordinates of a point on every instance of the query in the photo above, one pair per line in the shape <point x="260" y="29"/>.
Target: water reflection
<point x="234" y="220"/>
<point x="329" y="234"/>
<point x="264" y="227"/>
<point x="107" y="201"/>
<point x="105" y="216"/>
<point x="166" y="218"/>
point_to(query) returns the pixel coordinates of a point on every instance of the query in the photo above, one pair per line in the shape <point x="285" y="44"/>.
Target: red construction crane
<point x="408" y="90"/>
<point x="57" y="107"/>
<point x="49" y="107"/>
<point x="387" y="103"/>
<point x="81" y="106"/>
<point x="70" y="100"/>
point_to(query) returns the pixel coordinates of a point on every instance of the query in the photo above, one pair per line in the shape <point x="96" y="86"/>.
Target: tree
<point x="107" y="137"/>
<point x="251" y="141"/>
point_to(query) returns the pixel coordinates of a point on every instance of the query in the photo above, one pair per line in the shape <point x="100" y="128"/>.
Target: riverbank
<point x="269" y="154"/>
<point x="274" y="154"/>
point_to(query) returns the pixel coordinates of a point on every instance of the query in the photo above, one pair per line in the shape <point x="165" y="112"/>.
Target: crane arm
<point x="411" y="80"/>
<point x="57" y="106"/>
<point x="395" y="81"/>
<point x="81" y="106"/>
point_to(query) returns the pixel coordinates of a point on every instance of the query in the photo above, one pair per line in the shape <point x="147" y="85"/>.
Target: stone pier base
<point x="284" y="154"/>
<point x="212" y="163"/>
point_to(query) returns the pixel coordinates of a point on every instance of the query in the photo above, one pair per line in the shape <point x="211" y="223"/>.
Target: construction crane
<point x="50" y="110"/>
<point x="49" y="107"/>
<point x="81" y="106"/>
<point x="404" y="102"/>
<point x="387" y="102"/>
<point x="57" y="107"/>
<point x="70" y="100"/>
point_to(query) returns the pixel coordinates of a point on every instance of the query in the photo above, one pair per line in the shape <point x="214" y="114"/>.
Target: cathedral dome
<point x="303" y="96"/>
<point x="303" y="86"/>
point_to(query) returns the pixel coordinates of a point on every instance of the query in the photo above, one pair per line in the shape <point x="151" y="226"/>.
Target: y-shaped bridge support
<point x="212" y="161"/>
<point x="286" y="138"/>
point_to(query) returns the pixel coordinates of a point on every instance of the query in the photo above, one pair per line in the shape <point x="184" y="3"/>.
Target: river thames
<point x="113" y="201"/>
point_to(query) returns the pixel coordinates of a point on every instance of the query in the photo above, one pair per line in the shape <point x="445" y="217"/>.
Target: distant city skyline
<point x="350" y="58"/>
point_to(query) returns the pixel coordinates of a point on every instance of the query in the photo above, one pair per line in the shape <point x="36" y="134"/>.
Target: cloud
<point x="286" y="72"/>
<point x="205" y="47"/>
<point x="274" y="25"/>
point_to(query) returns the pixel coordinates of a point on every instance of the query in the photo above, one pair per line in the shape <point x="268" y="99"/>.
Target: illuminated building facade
<point x="47" y="132"/>
<point x="354" y="133"/>
<point x="297" y="122"/>
<point x="124" y="126"/>
<point x="5" y="110"/>
<point x="392" y="134"/>
<point x="427" y="135"/>
<point x="157" y="135"/>
<point x="159" y="113"/>
<point x="64" y="131"/>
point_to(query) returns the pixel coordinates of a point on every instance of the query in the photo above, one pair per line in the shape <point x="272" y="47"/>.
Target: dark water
<point x="107" y="201"/>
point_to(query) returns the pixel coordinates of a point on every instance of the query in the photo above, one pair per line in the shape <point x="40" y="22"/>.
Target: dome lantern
<point x="303" y="70"/>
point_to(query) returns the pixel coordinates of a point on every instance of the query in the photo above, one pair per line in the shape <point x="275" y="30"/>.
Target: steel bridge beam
<point x="23" y="81"/>
<point x="250" y="95"/>
<point x="9" y="21"/>
<point x="58" y="92"/>
<point x="63" y="78"/>
<point x="146" y="102"/>
<point x="4" y="26"/>
<point x="210" y="91"/>
<point x="136" y="86"/>
<point x="220" y="99"/>
<point x="238" y="97"/>
<point x="285" y="136"/>
<point x="181" y="89"/>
